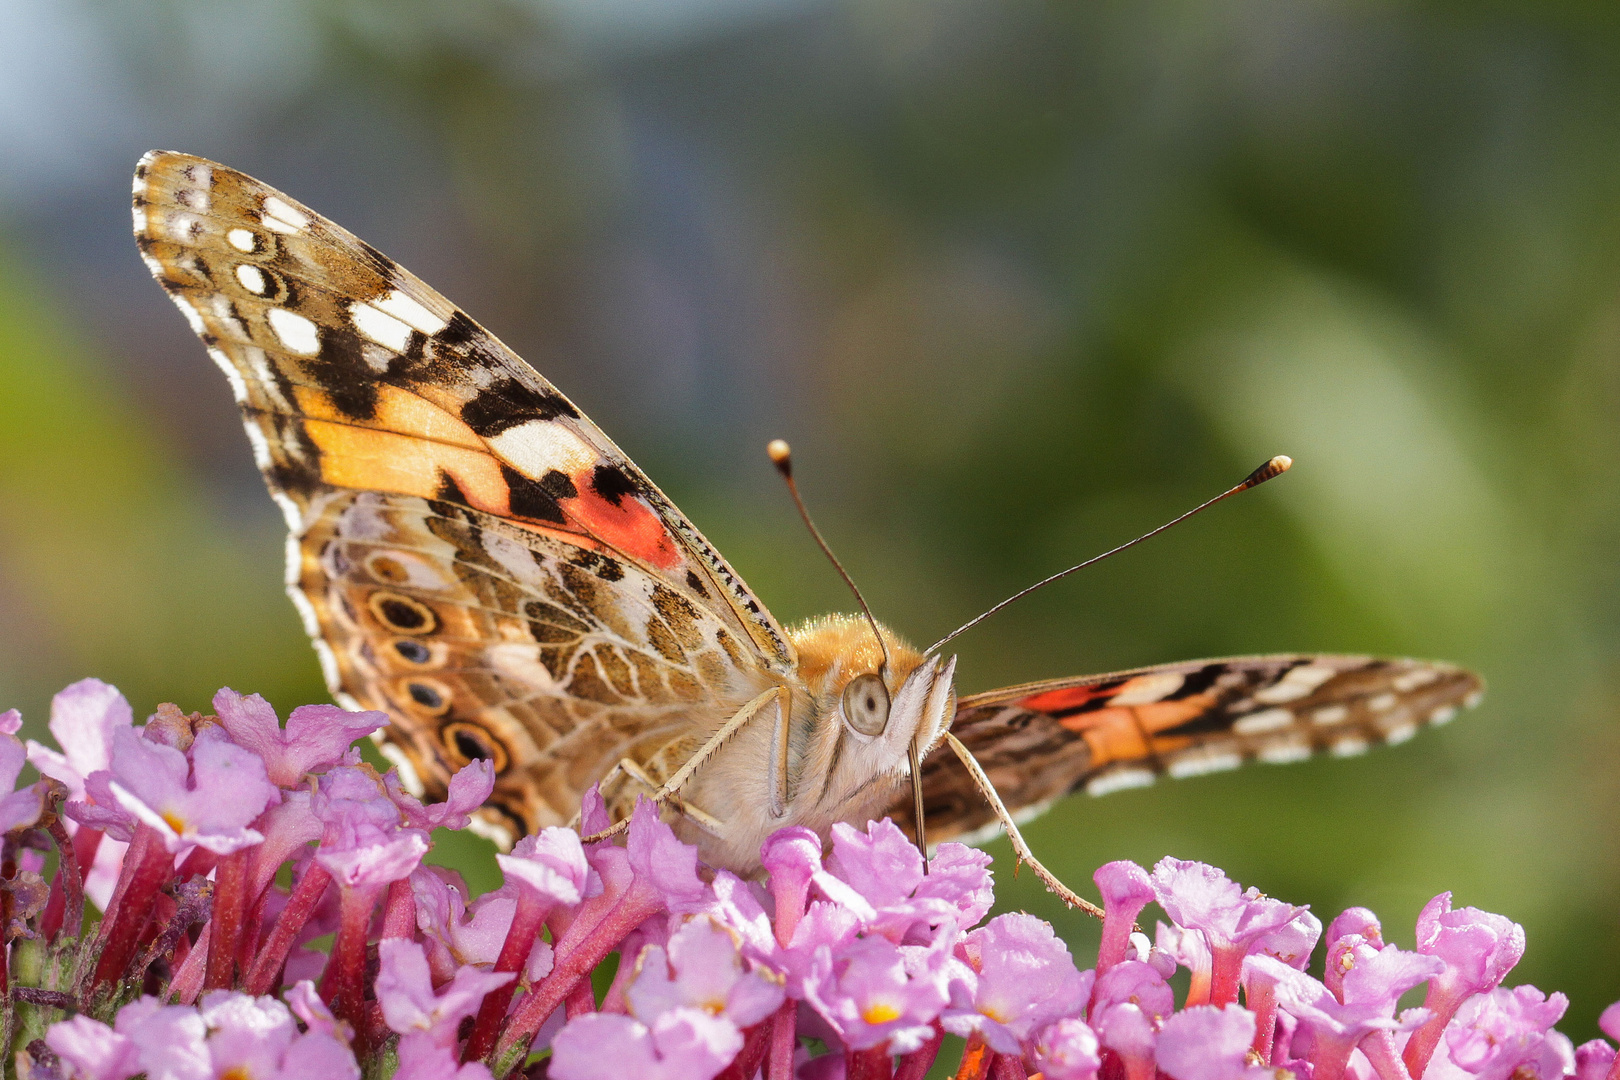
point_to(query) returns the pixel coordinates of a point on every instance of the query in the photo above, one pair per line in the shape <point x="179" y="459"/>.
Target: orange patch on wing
<point x="1070" y="697"/>
<point x="369" y="459"/>
<point x="396" y="410"/>
<point x="1121" y="733"/>
<point x="629" y="526"/>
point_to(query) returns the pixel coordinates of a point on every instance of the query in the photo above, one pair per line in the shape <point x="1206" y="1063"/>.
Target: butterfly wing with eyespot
<point x="372" y="402"/>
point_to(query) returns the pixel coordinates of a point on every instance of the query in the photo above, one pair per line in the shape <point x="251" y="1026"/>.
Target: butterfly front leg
<point x="628" y="769"/>
<point x="775" y="702"/>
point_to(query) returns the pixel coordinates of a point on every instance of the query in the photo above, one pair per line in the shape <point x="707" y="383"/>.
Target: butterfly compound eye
<point x="866" y="704"/>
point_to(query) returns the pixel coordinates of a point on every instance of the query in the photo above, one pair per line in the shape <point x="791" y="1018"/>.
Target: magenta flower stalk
<point x="848" y="958"/>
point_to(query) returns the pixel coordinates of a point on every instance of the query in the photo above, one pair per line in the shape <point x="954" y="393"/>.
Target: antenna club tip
<point x="781" y="455"/>
<point x="1270" y="470"/>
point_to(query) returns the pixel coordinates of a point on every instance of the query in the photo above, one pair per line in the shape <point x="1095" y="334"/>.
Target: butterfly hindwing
<point x="1101" y="733"/>
<point x="486" y="640"/>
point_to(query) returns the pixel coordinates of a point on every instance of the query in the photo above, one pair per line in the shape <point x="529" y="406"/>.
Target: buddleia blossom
<point x="231" y="844"/>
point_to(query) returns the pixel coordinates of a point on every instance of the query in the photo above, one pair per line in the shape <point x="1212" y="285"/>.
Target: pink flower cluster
<point x="224" y="849"/>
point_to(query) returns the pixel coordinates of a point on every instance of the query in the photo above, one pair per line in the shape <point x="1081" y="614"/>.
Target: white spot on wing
<point x="1348" y="747"/>
<point x="1411" y="680"/>
<point x="1399" y="733"/>
<point x="240" y="239"/>
<point x="1330" y="714"/>
<point x="1443" y="714"/>
<point x="1382" y="703"/>
<point x="410" y="311"/>
<point x="521" y="663"/>
<point x="1200" y="762"/>
<point x="537" y="447"/>
<point x="297" y="333"/>
<point x="252" y="278"/>
<point x="1119" y="780"/>
<point x="184" y="227"/>
<point x="1269" y="720"/>
<point x="1295" y="684"/>
<point x="282" y="218"/>
<point x="1284" y="751"/>
<point x="1473" y="698"/>
<point x="385" y="330"/>
<point x="1146" y="689"/>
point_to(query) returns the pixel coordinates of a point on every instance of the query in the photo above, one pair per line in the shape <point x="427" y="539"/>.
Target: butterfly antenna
<point x="1270" y="470"/>
<point x="781" y="455"/>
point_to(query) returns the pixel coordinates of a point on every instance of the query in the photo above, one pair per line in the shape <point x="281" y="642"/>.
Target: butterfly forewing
<point x="1040" y="741"/>
<point x="355" y="377"/>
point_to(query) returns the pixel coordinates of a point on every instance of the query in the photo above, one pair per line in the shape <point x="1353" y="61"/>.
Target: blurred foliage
<point x="1018" y="279"/>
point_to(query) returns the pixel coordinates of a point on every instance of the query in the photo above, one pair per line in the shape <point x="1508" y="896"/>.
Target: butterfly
<point x="472" y="555"/>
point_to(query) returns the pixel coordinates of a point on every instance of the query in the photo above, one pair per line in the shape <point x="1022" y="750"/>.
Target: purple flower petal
<point x="316" y="736"/>
<point x="662" y="862"/>
<point x="1026" y="980"/>
<point x="1206" y="1043"/>
<point x="409" y="1004"/>
<point x="701" y="969"/>
<point x="470" y="788"/>
<point x="83" y="719"/>
<point x="685" y="1044"/>
<point x="551" y="863"/>
<point x="1067" y="1050"/>
<point x="92" y="1050"/>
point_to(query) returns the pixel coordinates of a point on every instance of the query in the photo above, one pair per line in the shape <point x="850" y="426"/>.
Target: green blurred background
<point x="1019" y="280"/>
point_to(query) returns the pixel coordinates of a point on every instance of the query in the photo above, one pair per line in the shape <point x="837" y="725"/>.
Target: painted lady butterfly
<point x="470" y="554"/>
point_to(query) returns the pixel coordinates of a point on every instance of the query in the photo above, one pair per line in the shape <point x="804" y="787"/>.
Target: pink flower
<point x="1138" y="983"/>
<point x="885" y="868"/>
<point x="409" y="1003"/>
<point x="470" y="788"/>
<point x="1199" y="897"/>
<point x="1067" y="1050"/>
<point x="206" y="796"/>
<point x="1206" y="1043"/>
<point x="701" y="969"/>
<point x="1478" y="950"/>
<point x="421" y="1057"/>
<point x="550" y="864"/>
<point x="18" y="809"/>
<point x="316" y="737"/>
<point x="1505" y="1033"/>
<point x="363" y="843"/>
<point x="683" y="1044"/>
<point x="873" y="991"/>
<point x="226" y="1037"/>
<point x="91" y="1050"/>
<point x="1026" y="980"/>
<point x="1125" y="890"/>
<point x="84" y="717"/>
<point x="1373" y="983"/>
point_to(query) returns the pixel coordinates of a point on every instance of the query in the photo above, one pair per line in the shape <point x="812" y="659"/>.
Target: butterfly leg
<point x="1020" y="849"/>
<point x="777" y="696"/>
<point x="624" y="767"/>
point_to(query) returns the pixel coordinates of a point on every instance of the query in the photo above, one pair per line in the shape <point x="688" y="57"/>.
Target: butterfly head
<point x="868" y="713"/>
